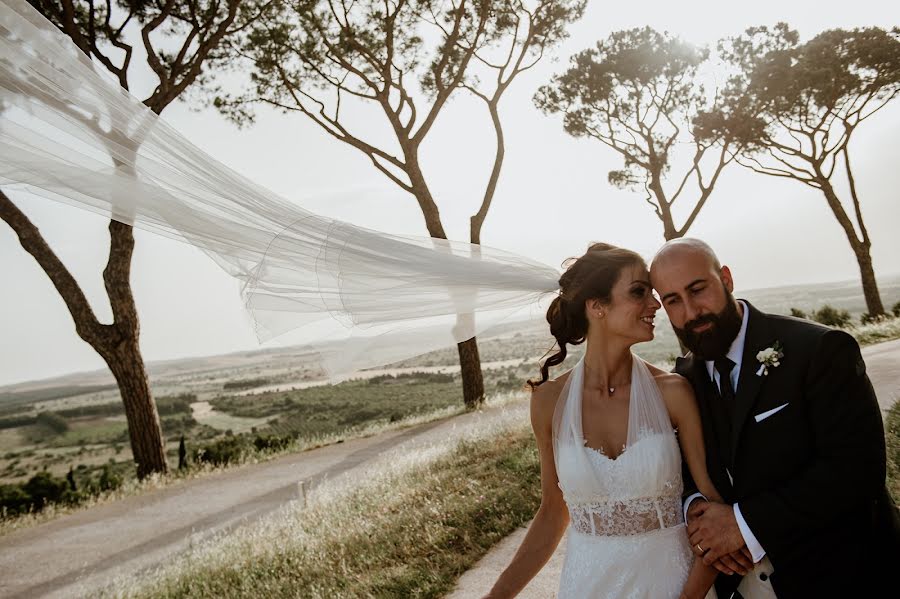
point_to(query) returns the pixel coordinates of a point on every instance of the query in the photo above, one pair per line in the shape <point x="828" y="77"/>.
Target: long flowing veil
<point x="71" y="134"/>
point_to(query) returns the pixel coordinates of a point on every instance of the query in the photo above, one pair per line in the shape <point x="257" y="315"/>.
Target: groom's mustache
<point x="700" y="321"/>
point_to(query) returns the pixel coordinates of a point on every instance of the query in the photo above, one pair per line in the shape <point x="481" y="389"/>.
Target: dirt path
<point x="883" y="365"/>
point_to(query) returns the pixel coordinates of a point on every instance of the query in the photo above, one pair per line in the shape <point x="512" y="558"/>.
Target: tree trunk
<point x="664" y="211"/>
<point x="144" y="431"/>
<point x="870" y="286"/>
<point x="860" y="247"/>
<point x="124" y="356"/>
<point x="472" y="378"/>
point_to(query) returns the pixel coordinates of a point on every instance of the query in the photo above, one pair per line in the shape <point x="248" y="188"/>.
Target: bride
<point x="609" y="454"/>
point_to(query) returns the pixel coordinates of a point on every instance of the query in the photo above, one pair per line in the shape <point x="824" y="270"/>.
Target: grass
<point x="892" y="441"/>
<point x="408" y="528"/>
<point x="876" y="332"/>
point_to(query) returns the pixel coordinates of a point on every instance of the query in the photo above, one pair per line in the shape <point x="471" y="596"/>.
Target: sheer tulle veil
<point x="70" y="134"/>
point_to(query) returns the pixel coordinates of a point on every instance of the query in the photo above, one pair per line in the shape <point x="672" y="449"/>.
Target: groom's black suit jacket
<point x="810" y="478"/>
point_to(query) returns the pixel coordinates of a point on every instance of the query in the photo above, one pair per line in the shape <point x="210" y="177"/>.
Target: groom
<point x="794" y="443"/>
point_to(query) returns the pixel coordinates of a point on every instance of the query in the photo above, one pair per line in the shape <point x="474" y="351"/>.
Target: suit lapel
<point x="758" y="337"/>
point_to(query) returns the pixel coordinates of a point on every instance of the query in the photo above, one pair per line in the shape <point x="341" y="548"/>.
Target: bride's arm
<point x="551" y="519"/>
<point x="682" y="406"/>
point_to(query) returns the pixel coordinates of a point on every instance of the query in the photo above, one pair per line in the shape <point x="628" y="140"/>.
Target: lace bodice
<point x="637" y="492"/>
<point x="640" y="491"/>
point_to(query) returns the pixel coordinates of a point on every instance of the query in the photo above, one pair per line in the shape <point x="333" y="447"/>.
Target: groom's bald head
<point x="686" y="248"/>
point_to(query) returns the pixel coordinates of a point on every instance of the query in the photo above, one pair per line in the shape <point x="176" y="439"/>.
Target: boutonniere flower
<point x="769" y="358"/>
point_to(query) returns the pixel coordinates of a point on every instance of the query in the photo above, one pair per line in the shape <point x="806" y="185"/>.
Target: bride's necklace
<point x="612" y="387"/>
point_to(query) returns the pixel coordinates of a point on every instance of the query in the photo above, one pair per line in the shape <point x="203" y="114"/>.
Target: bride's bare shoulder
<point x="545" y="396"/>
<point x="671" y="385"/>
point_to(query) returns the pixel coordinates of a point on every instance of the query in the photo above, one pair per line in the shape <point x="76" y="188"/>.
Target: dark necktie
<point x="723" y="408"/>
<point x="724" y="367"/>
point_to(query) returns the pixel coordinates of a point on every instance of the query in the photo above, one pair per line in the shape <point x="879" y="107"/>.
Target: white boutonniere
<point x="769" y="358"/>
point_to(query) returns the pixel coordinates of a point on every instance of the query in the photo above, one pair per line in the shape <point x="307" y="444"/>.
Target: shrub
<point x="52" y="422"/>
<point x="359" y="417"/>
<point x="168" y="405"/>
<point x="272" y="442"/>
<point x="14" y="500"/>
<point x="43" y="488"/>
<point x="173" y="426"/>
<point x="223" y="451"/>
<point x="832" y="317"/>
<point x="104" y="409"/>
<point x="109" y="480"/>
<point x="867" y="318"/>
<point x="798" y="313"/>
<point x="896" y="310"/>
<point x="245" y="384"/>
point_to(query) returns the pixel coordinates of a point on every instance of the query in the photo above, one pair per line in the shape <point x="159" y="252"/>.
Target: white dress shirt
<point x="735" y="354"/>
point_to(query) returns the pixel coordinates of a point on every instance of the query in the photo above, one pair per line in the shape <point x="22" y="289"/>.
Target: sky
<point x="552" y="200"/>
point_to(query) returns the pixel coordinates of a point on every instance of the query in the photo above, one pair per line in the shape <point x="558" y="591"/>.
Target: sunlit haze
<point x="553" y="199"/>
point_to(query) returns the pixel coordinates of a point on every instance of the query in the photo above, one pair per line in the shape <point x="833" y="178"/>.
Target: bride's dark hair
<point x="590" y="276"/>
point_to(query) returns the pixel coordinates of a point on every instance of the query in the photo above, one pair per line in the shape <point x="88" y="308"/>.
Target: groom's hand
<point x="713" y="530"/>
<point x="696" y="508"/>
<point x="739" y="562"/>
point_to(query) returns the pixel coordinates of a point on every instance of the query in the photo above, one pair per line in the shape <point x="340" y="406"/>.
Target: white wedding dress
<point x="626" y="538"/>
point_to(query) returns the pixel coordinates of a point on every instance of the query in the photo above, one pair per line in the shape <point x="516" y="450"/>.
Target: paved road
<point x="883" y="366"/>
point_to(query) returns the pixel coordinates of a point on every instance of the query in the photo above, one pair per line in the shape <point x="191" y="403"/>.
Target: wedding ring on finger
<point x="699" y="548"/>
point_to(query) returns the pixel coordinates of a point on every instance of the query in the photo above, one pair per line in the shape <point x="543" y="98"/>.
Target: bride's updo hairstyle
<point x="590" y="276"/>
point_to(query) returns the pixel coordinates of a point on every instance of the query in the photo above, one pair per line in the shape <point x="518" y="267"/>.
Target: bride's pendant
<point x="612" y="390"/>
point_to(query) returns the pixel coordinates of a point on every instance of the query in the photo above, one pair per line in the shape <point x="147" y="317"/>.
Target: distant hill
<point x="846" y="295"/>
<point x="531" y="339"/>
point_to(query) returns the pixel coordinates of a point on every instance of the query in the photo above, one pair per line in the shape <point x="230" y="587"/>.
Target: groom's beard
<point x="714" y="342"/>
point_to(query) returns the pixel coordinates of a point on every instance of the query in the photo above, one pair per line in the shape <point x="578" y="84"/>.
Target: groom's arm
<point x="849" y="454"/>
